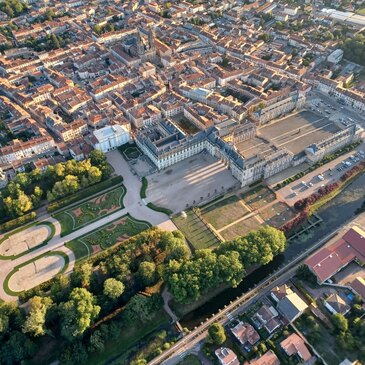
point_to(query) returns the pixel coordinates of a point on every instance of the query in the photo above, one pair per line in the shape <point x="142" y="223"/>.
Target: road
<point x="195" y="338"/>
<point x="295" y="190"/>
<point x="132" y="202"/>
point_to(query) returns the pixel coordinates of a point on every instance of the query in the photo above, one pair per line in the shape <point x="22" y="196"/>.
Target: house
<point x="266" y="317"/>
<point x="280" y="292"/>
<point x="358" y="285"/>
<point x="294" y="345"/>
<point x="268" y="358"/>
<point x="292" y="306"/>
<point x="335" y="304"/>
<point x="331" y="259"/>
<point x="226" y="356"/>
<point x="246" y="335"/>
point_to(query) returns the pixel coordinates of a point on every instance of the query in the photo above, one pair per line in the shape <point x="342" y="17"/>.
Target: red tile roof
<point x="295" y="345"/>
<point x="326" y="262"/>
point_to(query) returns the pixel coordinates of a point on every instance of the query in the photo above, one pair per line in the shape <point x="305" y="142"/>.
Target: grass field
<point x="277" y="215"/>
<point x="93" y="209"/>
<point x="224" y="212"/>
<point x="102" y="238"/>
<point x="195" y="231"/>
<point x="258" y="197"/>
<point x="240" y="229"/>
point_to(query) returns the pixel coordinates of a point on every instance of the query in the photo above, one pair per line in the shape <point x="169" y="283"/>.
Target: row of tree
<point x="66" y="308"/>
<point x="207" y="269"/>
<point x="27" y="190"/>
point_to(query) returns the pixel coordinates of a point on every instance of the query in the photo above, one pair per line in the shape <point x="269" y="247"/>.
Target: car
<point x="320" y="177"/>
<point x="310" y="184"/>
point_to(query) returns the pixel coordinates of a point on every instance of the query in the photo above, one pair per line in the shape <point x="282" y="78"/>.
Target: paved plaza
<point x="299" y="131"/>
<point x="187" y="182"/>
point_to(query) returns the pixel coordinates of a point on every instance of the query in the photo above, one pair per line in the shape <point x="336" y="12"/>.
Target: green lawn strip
<point x="159" y="209"/>
<point x="101" y="235"/>
<point x="130" y="338"/>
<point x="16" y="268"/>
<point x="69" y="222"/>
<point x="85" y="193"/>
<point x="7" y="235"/>
<point x="143" y="192"/>
<point x="79" y="249"/>
<point x="190" y="360"/>
<point x="241" y="228"/>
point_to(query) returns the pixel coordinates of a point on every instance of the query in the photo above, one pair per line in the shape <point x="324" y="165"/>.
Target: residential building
<point x="291" y="306"/>
<point x="295" y="345"/>
<point x="226" y="356"/>
<point x="336" y="305"/>
<point x="246" y="335"/>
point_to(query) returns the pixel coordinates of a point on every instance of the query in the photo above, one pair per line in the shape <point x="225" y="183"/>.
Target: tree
<point x="147" y="273"/>
<point x="96" y="342"/>
<point x="36" y="319"/>
<point x="55" y="41"/>
<point x="141" y="308"/>
<point x="82" y="274"/>
<point x="216" y="334"/>
<point x="340" y="322"/>
<point x="78" y="313"/>
<point x="74" y="353"/>
<point x="113" y="288"/>
<point x="97" y="158"/>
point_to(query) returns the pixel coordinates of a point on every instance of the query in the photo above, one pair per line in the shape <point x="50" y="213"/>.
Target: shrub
<point x="159" y="209"/>
<point x="84" y="193"/>
<point x="17" y="222"/>
<point x="144" y="187"/>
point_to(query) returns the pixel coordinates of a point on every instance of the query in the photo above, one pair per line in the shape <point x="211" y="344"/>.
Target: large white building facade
<point x="110" y="137"/>
<point x="165" y="144"/>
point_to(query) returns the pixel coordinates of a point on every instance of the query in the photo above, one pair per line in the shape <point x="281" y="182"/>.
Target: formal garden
<point x="241" y="228"/>
<point x="106" y="236"/>
<point x="130" y="151"/>
<point x="223" y="212"/>
<point x="258" y="197"/>
<point x="195" y="230"/>
<point x="91" y="210"/>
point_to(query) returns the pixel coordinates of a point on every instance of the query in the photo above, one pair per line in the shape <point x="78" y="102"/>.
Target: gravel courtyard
<point x="187" y="181"/>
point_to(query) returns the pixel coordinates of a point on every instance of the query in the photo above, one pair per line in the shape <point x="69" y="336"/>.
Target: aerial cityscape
<point x="182" y="182"/>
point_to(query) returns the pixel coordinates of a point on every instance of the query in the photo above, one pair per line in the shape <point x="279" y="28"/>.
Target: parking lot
<point x="331" y="172"/>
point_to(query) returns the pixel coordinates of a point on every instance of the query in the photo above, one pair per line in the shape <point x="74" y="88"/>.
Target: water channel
<point x="334" y="214"/>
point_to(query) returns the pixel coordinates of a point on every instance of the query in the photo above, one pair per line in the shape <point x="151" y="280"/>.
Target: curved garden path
<point x="133" y="205"/>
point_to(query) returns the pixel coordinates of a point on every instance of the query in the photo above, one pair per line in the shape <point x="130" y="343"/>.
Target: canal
<point x="334" y="214"/>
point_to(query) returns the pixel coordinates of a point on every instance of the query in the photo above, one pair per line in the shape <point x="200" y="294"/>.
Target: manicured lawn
<point x="361" y="11"/>
<point x="224" y="212"/>
<point x="106" y="236"/>
<point x="196" y="231"/>
<point x="91" y="210"/>
<point x="190" y="360"/>
<point x="258" y="197"/>
<point x="240" y="229"/>
<point x="130" y="337"/>
<point x="277" y="215"/>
